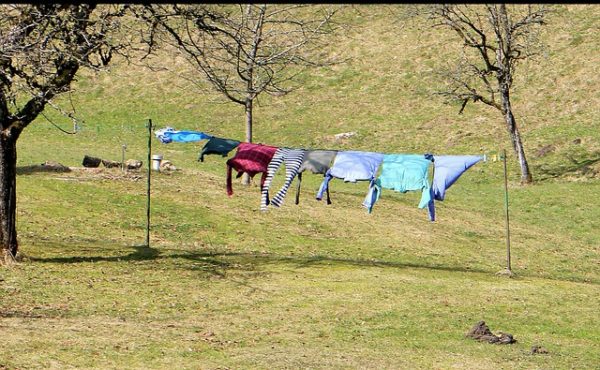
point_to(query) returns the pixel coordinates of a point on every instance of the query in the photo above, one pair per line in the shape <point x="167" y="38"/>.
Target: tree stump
<point x="110" y="164"/>
<point x="133" y="164"/>
<point x="92" y="162"/>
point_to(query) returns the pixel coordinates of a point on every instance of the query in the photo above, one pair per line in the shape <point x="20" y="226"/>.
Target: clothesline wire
<point x="57" y="126"/>
<point x="303" y="148"/>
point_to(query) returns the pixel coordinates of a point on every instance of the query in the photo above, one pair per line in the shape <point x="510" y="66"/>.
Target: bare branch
<point x="245" y="50"/>
<point x="42" y="46"/>
<point x="493" y="46"/>
<point x="499" y="45"/>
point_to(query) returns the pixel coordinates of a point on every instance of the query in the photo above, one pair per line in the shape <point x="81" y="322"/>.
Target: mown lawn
<point x="224" y="285"/>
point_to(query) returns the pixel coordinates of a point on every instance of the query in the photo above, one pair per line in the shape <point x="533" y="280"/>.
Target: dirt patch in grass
<point x="482" y="333"/>
<point x="83" y="173"/>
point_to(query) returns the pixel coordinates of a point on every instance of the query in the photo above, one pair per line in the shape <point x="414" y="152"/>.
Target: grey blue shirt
<point x="447" y="169"/>
<point x="352" y="166"/>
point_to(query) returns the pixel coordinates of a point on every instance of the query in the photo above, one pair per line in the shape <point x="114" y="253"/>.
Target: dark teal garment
<point x="216" y="145"/>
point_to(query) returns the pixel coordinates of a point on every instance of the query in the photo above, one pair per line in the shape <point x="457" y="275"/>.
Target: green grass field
<point x="224" y="285"/>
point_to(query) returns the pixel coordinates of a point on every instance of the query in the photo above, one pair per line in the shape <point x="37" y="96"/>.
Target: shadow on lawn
<point x="141" y="253"/>
<point x="241" y="261"/>
<point x="218" y="263"/>
<point x="47" y="166"/>
<point x="579" y="167"/>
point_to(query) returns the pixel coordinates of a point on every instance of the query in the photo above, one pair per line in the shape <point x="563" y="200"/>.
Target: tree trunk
<point x="8" y="198"/>
<point x="515" y="136"/>
<point x="248" y="107"/>
<point x="251" y="59"/>
<point x="248" y="120"/>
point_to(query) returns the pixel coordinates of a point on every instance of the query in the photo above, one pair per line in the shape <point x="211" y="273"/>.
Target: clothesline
<point x="399" y="172"/>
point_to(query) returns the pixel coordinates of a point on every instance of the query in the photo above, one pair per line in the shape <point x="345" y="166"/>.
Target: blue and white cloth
<point x="169" y="134"/>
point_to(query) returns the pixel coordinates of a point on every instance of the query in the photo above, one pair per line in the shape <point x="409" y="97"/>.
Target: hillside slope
<point x="384" y="93"/>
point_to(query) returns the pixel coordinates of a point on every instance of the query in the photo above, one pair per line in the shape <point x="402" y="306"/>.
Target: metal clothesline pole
<point x="508" y="270"/>
<point x="149" y="125"/>
<point x="506" y="212"/>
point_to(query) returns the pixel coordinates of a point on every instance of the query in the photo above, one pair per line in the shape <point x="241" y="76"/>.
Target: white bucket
<point x="156" y="159"/>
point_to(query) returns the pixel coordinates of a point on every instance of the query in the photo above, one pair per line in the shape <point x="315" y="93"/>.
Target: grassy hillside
<point x="224" y="285"/>
<point x="385" y="93"/>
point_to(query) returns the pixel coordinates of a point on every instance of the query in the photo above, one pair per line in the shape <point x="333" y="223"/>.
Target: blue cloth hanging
<point x="351" y="166"/>
<point x="169" y="134"/>
<point x="447" y="169"/>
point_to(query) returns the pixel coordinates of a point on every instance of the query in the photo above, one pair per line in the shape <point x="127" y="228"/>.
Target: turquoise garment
<point x="403" y="172"/>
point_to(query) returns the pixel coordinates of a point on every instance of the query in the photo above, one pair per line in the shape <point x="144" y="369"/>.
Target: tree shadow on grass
<point x="44" y="167"/>
<point x="239" y="260"/>
<point x="218" y="263"/>
<point x="140" y="253"/>
<point x="575" y="167"/>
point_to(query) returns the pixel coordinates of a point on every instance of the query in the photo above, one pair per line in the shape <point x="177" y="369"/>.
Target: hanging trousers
<point x="293" y="159"/>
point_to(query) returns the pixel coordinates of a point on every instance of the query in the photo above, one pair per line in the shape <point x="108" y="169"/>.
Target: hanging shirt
<point x="169" y="134"/>
<point x="403" y="172"/>
<point x="447" y="169"/>
<point x="318" y="162"/>
<point x="293" y="159"/>
<point x="352" y="166"/>
<point x="251" y="159"/>
<point x="216" y="145"/>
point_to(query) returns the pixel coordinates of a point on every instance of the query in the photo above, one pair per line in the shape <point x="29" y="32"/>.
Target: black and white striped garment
<point x="293" y="159"/>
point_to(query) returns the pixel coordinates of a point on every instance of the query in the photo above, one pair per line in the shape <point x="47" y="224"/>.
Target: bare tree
<point x="245" y="50"/>
<point x="495" y="39"/>
<point x="42" y="46"/>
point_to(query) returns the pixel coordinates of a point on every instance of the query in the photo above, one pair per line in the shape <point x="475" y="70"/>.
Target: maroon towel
<point x="252" y="159"/>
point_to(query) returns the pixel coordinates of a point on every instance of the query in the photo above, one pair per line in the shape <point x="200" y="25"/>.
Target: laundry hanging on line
<point x="216" y="145"/>
<point x="351" y="166"/>
<point x="293" y="159"/>
<point x="318" y="162"/>
<point x="447" y="169"/>
<point x="400" y="172"/>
